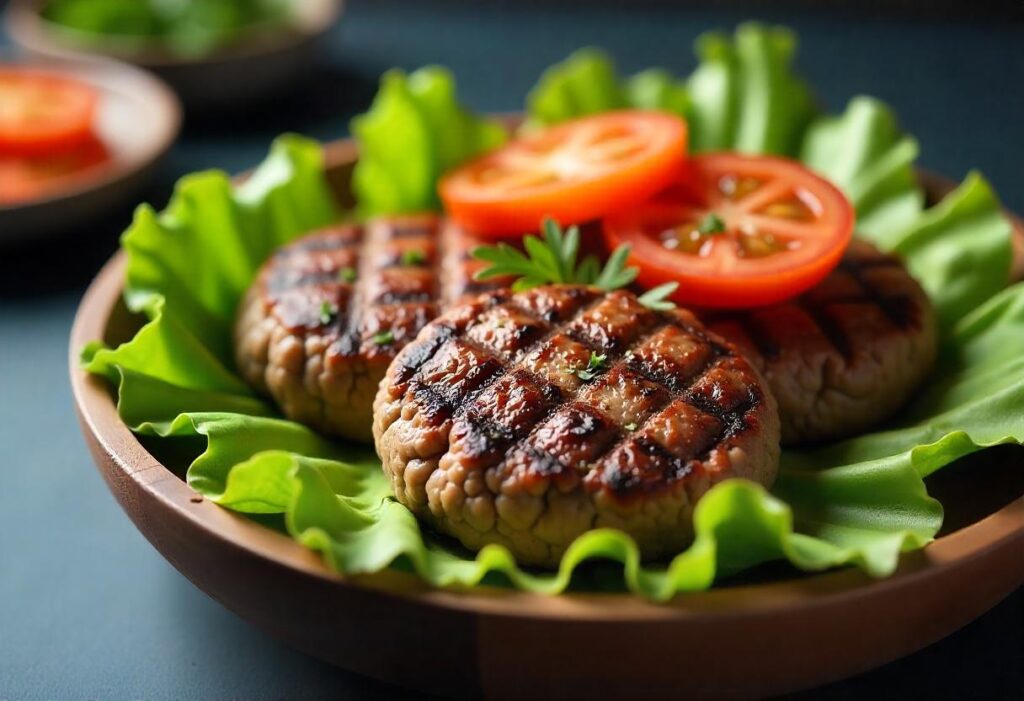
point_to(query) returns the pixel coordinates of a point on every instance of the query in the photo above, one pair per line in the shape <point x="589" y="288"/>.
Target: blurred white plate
<point x="138" y="118"/>
<point x="262" y="60"/>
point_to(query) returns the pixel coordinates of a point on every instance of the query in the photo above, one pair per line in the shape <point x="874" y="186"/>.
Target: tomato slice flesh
<point x="737" y="231"/>
<point x="24" y="179"/>
<point x="572" y="172"/>
<point x="43" y="113"/>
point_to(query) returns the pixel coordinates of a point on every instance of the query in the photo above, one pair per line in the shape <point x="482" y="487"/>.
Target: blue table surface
<point x="89" y="610"/>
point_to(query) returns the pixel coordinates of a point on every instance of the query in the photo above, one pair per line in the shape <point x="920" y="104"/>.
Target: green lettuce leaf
<point x="414" y="131"/>
<point x="587" y="83"/>
<point x="189" y="266"/>
<point x="960" y="250"/>
<point x="864" y="153"/>
<point x="859" y="502"/>
<point x="201" y="252"/>
<point x="744" y="95"/>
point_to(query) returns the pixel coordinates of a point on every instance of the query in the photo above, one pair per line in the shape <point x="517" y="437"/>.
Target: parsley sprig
<point x="327" y="313"/>
<point x="594" y="365"/>
<point x="414" y="256"/>
<point x="384" y="338"/>
<point x="555" y="260"/>
<point x="711" y="224"/>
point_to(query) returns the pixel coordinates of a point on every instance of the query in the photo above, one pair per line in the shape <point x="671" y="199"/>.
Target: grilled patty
<point x="527" y="419"/>
<point x="845" y="355"/>
<point x="329" y="312"/>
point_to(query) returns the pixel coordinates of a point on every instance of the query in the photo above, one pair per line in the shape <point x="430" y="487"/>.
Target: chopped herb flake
<point x="631" y="426"/>
<point x="711" y="224"/>
<point x="414" y="256"/>
<point x="327" y="312"/>
<point x="593" y="366"/>
<point x="347" y="274"/>
<point x="655" y="298"/>
<point x="384" y="338"/>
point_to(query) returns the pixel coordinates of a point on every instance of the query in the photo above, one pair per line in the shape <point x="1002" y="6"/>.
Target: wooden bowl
<point x="262" y="61"/>
<point x="138" y="119"/>
<point x="738" y="640"/>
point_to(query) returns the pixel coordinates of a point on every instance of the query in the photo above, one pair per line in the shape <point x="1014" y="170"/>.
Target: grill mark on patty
<point x="733" y="420"/>
<point x="490" y="446"/>
<point x="858" y="258"/>
<point x="351" y="340"/>
<point x="898" y="309"/>
<point x="390" y="293"/>
<point x="457" y="407"/>
<point x="675" y="382"/>
<point x="826" y="310"/>
<point x="758" y="335"/>
<point x="329" y="239"/>
<point x="830" y="329"/>
<point x="411" y="230"/>
<point x="672" y="467"/>
<point x="282" y="281"/>
<point x="419" y="353"/>
<point x="403" y="298"/>
<point x="660" y="468"/>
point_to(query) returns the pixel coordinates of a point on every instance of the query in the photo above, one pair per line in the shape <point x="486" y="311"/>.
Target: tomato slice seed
<point x="736" y="231"/>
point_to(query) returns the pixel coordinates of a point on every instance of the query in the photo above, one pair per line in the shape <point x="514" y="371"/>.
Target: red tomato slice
<point x="24" y="179"/>
<point x="737" y="231"/>
<point x="42" y="113"/>
<point x="573" y="172"/>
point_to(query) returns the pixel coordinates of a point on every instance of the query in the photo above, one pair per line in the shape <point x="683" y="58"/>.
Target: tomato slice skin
<point x="573" y="172"/>
<point x="737" y="231"/>
<point x="26" y="179"/>
<point x="43" y="113"/>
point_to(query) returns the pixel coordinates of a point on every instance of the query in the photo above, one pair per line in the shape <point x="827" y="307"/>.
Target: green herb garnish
<point x="414" y="256"/>
<point x="553" y="260"/>
<point x="327" y="312"/>
<point x="594" y="365"/>
<point x="631" y="426"/>
<point x="347" y="274"/>
<point x="656" y="297"/>
<point x="383" y="338"/>
<point x="711" y="224"/>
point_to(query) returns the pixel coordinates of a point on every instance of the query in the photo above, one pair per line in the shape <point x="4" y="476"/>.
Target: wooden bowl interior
<point x="509" y="643"/>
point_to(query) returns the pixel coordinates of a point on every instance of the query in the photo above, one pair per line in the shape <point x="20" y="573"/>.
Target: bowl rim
<point x="109" y="175"/>
<point x="98" y="414"/>
<point x="28" y="29"/>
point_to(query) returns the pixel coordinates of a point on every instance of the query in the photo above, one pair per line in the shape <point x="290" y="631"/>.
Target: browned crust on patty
<point x="845" y="355"/>
<point x="328" y="312"/>
<point x="490" y="428"/>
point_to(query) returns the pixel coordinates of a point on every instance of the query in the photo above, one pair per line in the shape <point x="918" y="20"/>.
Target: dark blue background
<point x="89" y="610"/>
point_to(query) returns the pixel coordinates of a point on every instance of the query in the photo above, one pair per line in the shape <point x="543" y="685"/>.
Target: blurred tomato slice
<point x="42" y="114"/>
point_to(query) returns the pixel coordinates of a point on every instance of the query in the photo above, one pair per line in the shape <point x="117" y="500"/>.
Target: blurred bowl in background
<point x="261" y="59"/>
<point x="138" y="118"/>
